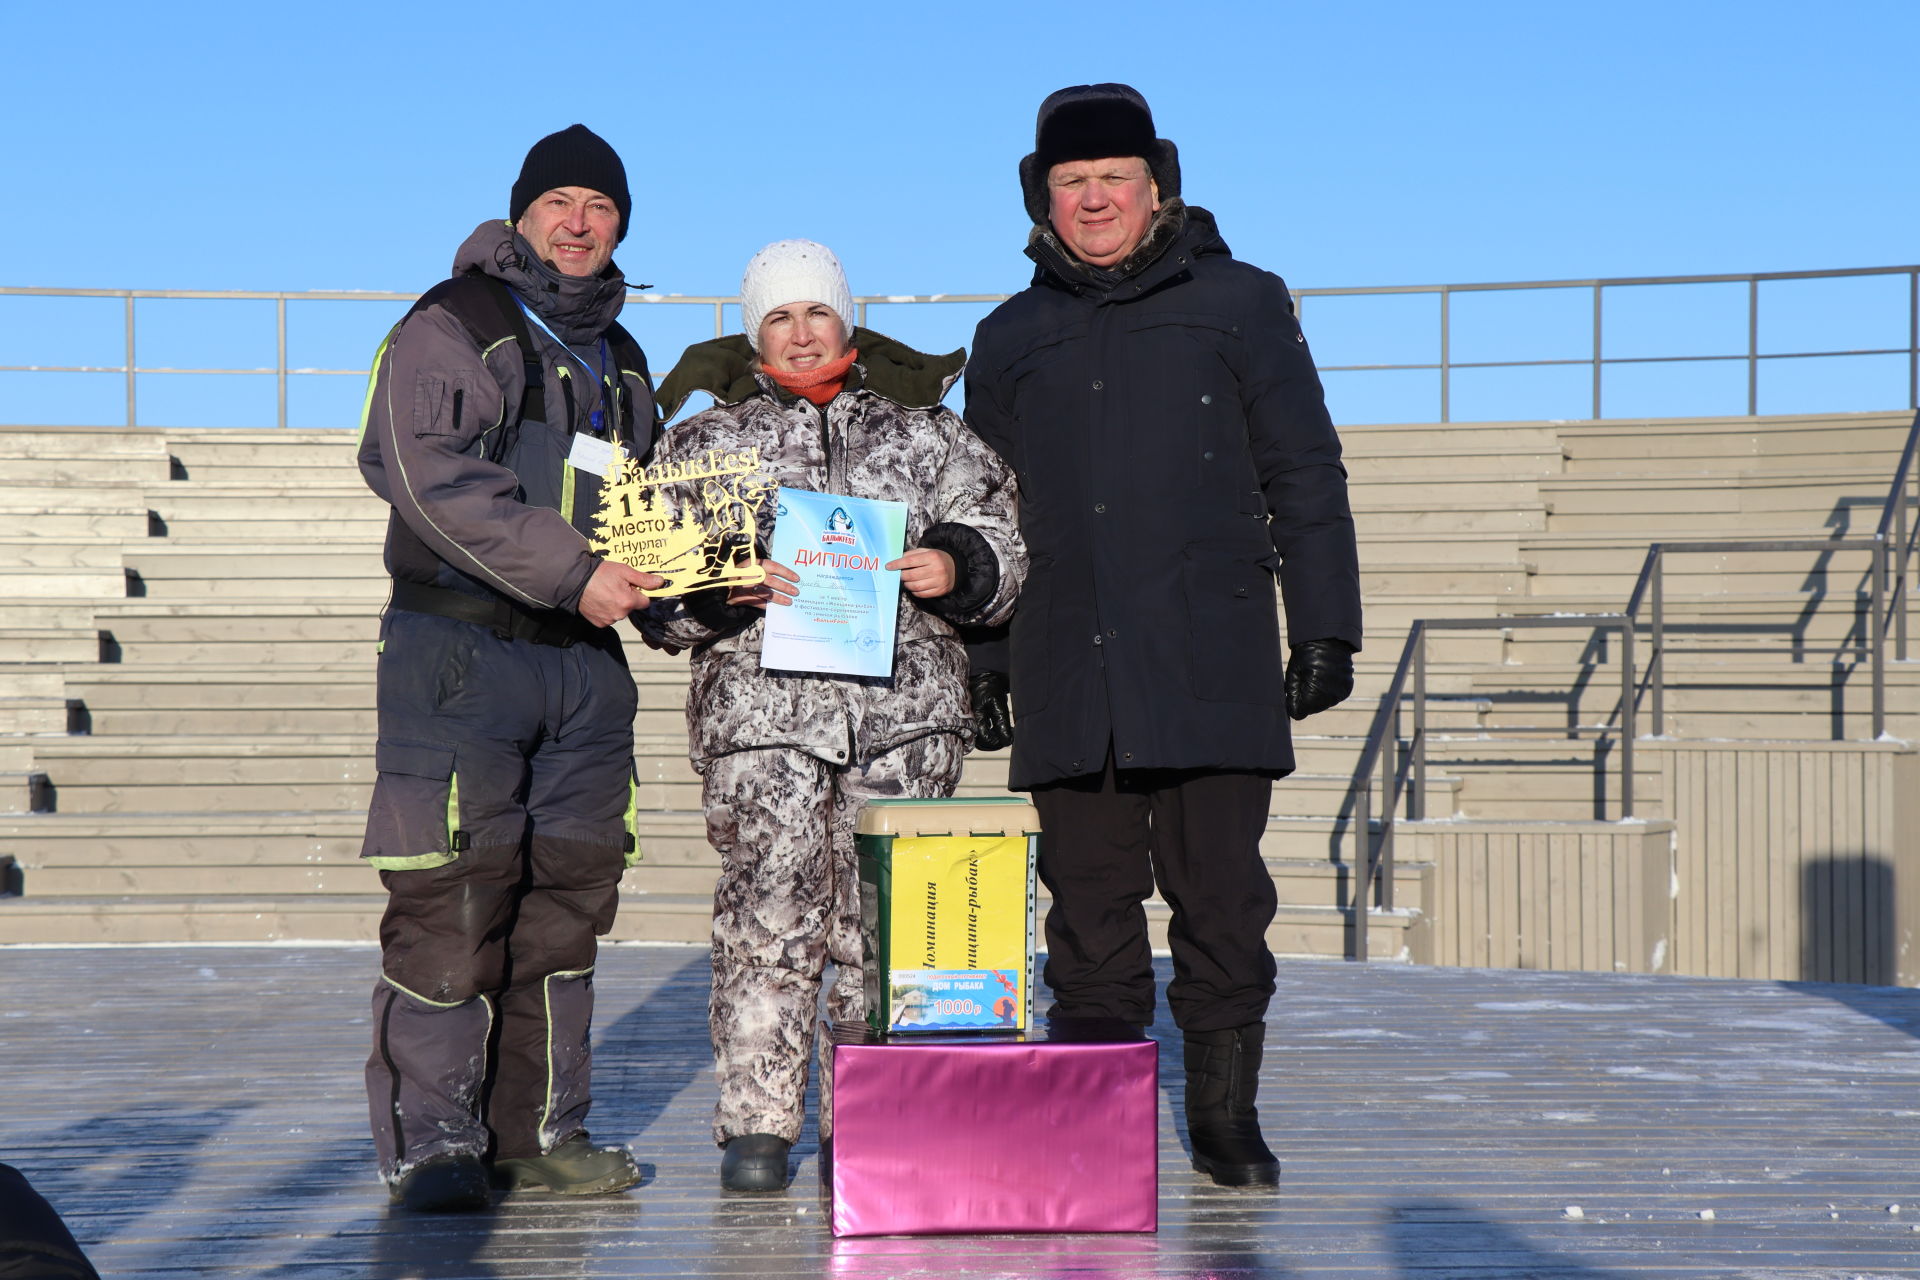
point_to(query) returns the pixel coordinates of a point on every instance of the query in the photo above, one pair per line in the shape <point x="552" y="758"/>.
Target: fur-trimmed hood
<point x="728" y="370"/>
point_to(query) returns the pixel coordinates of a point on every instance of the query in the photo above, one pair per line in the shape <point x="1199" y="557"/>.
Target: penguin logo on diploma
<point x="840" y="529"/>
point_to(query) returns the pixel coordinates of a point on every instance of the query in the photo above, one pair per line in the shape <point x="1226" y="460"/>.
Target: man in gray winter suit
<point x="1158" y="404"/>
<point x="502" y="814"/>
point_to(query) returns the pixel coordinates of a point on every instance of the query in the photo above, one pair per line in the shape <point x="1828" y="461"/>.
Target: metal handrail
<point x="1650" y="586"/>
<point x="1383" y="741"/>
<point x="282" y="371"/>
<point x="1890" y="542"/>
<point x="1597" y="359"/>
<point x="1893" y="526"/>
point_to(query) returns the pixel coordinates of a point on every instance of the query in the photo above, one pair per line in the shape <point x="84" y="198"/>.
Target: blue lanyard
<point x="598" y="417"/>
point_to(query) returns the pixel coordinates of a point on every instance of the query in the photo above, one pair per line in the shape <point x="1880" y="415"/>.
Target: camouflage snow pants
<point x="788" y="901"/>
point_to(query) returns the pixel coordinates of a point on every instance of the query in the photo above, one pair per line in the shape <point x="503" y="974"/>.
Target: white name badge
<point x="590" y="453"/>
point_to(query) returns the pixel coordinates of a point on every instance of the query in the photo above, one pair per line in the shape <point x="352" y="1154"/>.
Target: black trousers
<point x="1106" y="839"/>
<point x="499" y="824"/>
<point x="34" y="1243"/>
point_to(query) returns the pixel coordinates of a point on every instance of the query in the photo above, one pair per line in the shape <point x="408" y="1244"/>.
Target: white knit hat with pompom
<point x="789" y="271"/>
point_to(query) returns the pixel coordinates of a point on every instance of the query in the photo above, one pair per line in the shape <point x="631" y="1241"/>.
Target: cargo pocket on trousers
<point x="413" y="823"/>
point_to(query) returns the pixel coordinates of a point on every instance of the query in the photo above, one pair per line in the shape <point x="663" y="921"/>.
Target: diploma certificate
<point x="842" y="622"/>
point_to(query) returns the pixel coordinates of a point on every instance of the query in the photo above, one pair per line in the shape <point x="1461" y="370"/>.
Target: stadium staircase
<point x="187" y="624"/>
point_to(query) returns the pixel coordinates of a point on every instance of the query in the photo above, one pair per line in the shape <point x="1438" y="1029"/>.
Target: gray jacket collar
<point x="577" y="308"/>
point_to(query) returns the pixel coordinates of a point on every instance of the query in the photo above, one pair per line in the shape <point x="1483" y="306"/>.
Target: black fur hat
<point x="1093" y="122"/>
<point x="574" y="157"/>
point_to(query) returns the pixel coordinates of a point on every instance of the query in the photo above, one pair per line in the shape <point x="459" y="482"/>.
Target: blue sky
<point x="218" y="146"/>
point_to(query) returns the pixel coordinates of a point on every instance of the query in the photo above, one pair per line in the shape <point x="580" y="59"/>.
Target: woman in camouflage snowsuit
<point x="787" y="759"/>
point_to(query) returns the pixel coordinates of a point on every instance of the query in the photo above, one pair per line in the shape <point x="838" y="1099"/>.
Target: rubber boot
<point x="1223" y="1075"/>
<point x="755" y="1162"/>
<point x="577" y="1167"/>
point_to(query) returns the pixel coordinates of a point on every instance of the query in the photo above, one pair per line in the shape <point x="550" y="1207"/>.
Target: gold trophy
<point x="692" y="521"/>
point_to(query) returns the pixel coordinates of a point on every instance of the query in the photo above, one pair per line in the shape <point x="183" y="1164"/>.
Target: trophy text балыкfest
<point x="692" y="521"/>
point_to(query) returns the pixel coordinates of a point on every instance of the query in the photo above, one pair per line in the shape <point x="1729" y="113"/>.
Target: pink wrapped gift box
<point x="977" y="1135"/>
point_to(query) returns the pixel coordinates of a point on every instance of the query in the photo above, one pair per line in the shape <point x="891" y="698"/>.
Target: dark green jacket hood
<point x="725" y="368"/>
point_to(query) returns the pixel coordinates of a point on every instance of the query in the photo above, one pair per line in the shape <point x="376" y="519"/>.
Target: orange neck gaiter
<point x="817" y="386"/>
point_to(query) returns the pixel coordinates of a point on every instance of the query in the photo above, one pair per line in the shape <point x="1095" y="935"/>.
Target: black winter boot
<point x="1223" y="1075"/>
<point x="755" y="1162"/>
<point x="443" y="1184"/>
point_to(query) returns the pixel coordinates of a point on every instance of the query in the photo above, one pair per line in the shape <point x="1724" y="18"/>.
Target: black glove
<point x="992" y="720"/>
<point x="1320" y="676"/>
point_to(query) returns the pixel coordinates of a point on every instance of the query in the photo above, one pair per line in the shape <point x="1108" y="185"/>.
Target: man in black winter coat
<point x="1175" y="457"/>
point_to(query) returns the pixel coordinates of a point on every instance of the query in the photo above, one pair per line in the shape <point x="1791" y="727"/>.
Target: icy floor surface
<point x="198" y="1112"/>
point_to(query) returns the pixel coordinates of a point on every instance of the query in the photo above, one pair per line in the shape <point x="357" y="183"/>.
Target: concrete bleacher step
<point x="29" y="441"/>
<point x="39" y="457"/>
<point x="1365" y="461"/>
<point x="1478" y="580"/>
<point x="59" y="553"/>
<point x="366" y="530"/>
<point x="49" y="644"/>
<point x="63" y="582"/>
<point x="35" y="715"/>
<point x="1703" y="700"/>
<point x="54" y="613"/>
<point x="1543" y="779"/>
<point x="1436" y="548"/>
<point x="84" y="466"/>
<point x="1608" y="564"/>
<point x="33" y="680"/>
<point x="1786" y="441"/>
<point x="117" y="878"/>
<point x="245" y="700"/>
<point x="278" y="572"/>
<point x="204" y="855"/>
<point x="1399" y="488"/>
<point x="71" y="519"/>
<point x="89" y="921"/>
<point x="1296" y="931"/>
<point x="1794" y="627"/>
<point x="1409" y="515"/>
<point x="1519" y="437"/>
<point x="215" y="466"/>
<point x="285" y="633"/>
<point x="185" y="504"/>
<point x="237" y="701"/>
<point x="266" y="456"/>
<point x="225" y="688"/>
<point x="168" y="774"/>
<point x="23" y="791"/>
<point x="164" y="774"/>
<point x="1806" y="497"/>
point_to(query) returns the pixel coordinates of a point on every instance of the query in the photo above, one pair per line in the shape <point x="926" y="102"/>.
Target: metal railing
<point x="1373" y="872"/>
<point x="1597" y="360"/>
<point x="1891" y="547"/>
<point x="131" y="369"/>
<point x="281" y="371"/>
<point x="1892" y="529"/>
<point x="1650" y="588"/>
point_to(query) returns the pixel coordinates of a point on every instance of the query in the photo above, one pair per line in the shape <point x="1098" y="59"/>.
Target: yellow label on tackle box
<point x="948" y="925"/>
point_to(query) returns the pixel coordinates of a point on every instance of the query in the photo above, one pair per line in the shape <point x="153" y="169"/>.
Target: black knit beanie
<point x="1093" y="122"/>
<point x="574" y="157"/>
